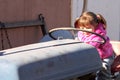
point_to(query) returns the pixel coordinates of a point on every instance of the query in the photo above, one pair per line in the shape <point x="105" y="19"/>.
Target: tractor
<point x="58" y="56"/>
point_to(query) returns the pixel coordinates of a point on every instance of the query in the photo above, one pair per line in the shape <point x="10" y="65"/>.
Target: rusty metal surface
<point x="53" y="60"/>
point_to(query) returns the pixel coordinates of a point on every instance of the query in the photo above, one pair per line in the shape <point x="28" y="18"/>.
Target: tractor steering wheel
<point x="74" y="29"/>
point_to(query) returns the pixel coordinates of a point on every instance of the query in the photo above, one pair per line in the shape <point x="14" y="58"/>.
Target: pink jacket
<point x="105" y="50"/>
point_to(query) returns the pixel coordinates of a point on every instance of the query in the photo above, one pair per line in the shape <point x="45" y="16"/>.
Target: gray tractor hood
<point x="52" y="60"/>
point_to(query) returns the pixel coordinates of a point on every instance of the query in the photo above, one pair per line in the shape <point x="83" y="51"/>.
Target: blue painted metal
<point x="63" y="34"/>
<point x="53" y="60"/>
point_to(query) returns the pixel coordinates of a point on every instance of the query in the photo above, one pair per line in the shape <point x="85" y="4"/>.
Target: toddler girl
<point x="96" y="23"/>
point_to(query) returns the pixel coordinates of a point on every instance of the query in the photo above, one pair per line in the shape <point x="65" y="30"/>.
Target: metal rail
<point x="39" y="22"/>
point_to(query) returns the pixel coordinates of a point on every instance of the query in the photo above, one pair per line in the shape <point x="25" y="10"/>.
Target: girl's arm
<point x="96" y="41"/>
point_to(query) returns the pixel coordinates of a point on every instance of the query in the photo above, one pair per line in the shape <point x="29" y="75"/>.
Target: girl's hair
<point x="102" y="20"/>
<point x="89" y="18"/>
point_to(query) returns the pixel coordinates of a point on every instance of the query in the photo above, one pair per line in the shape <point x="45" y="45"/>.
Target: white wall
<point x="110" y="9"/>
<point x="76" y="10"/>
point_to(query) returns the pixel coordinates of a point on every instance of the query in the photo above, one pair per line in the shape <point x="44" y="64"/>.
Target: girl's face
<point x="88" y="28"/>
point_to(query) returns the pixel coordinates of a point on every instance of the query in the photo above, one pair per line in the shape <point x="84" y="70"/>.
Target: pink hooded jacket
<point x="105" y="50"/>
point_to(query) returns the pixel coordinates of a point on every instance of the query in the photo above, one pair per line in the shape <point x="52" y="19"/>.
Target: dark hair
<point x="102" y="20"/>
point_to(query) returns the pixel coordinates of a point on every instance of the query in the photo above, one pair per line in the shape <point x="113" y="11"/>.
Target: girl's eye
<point x="88" y="28"/>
